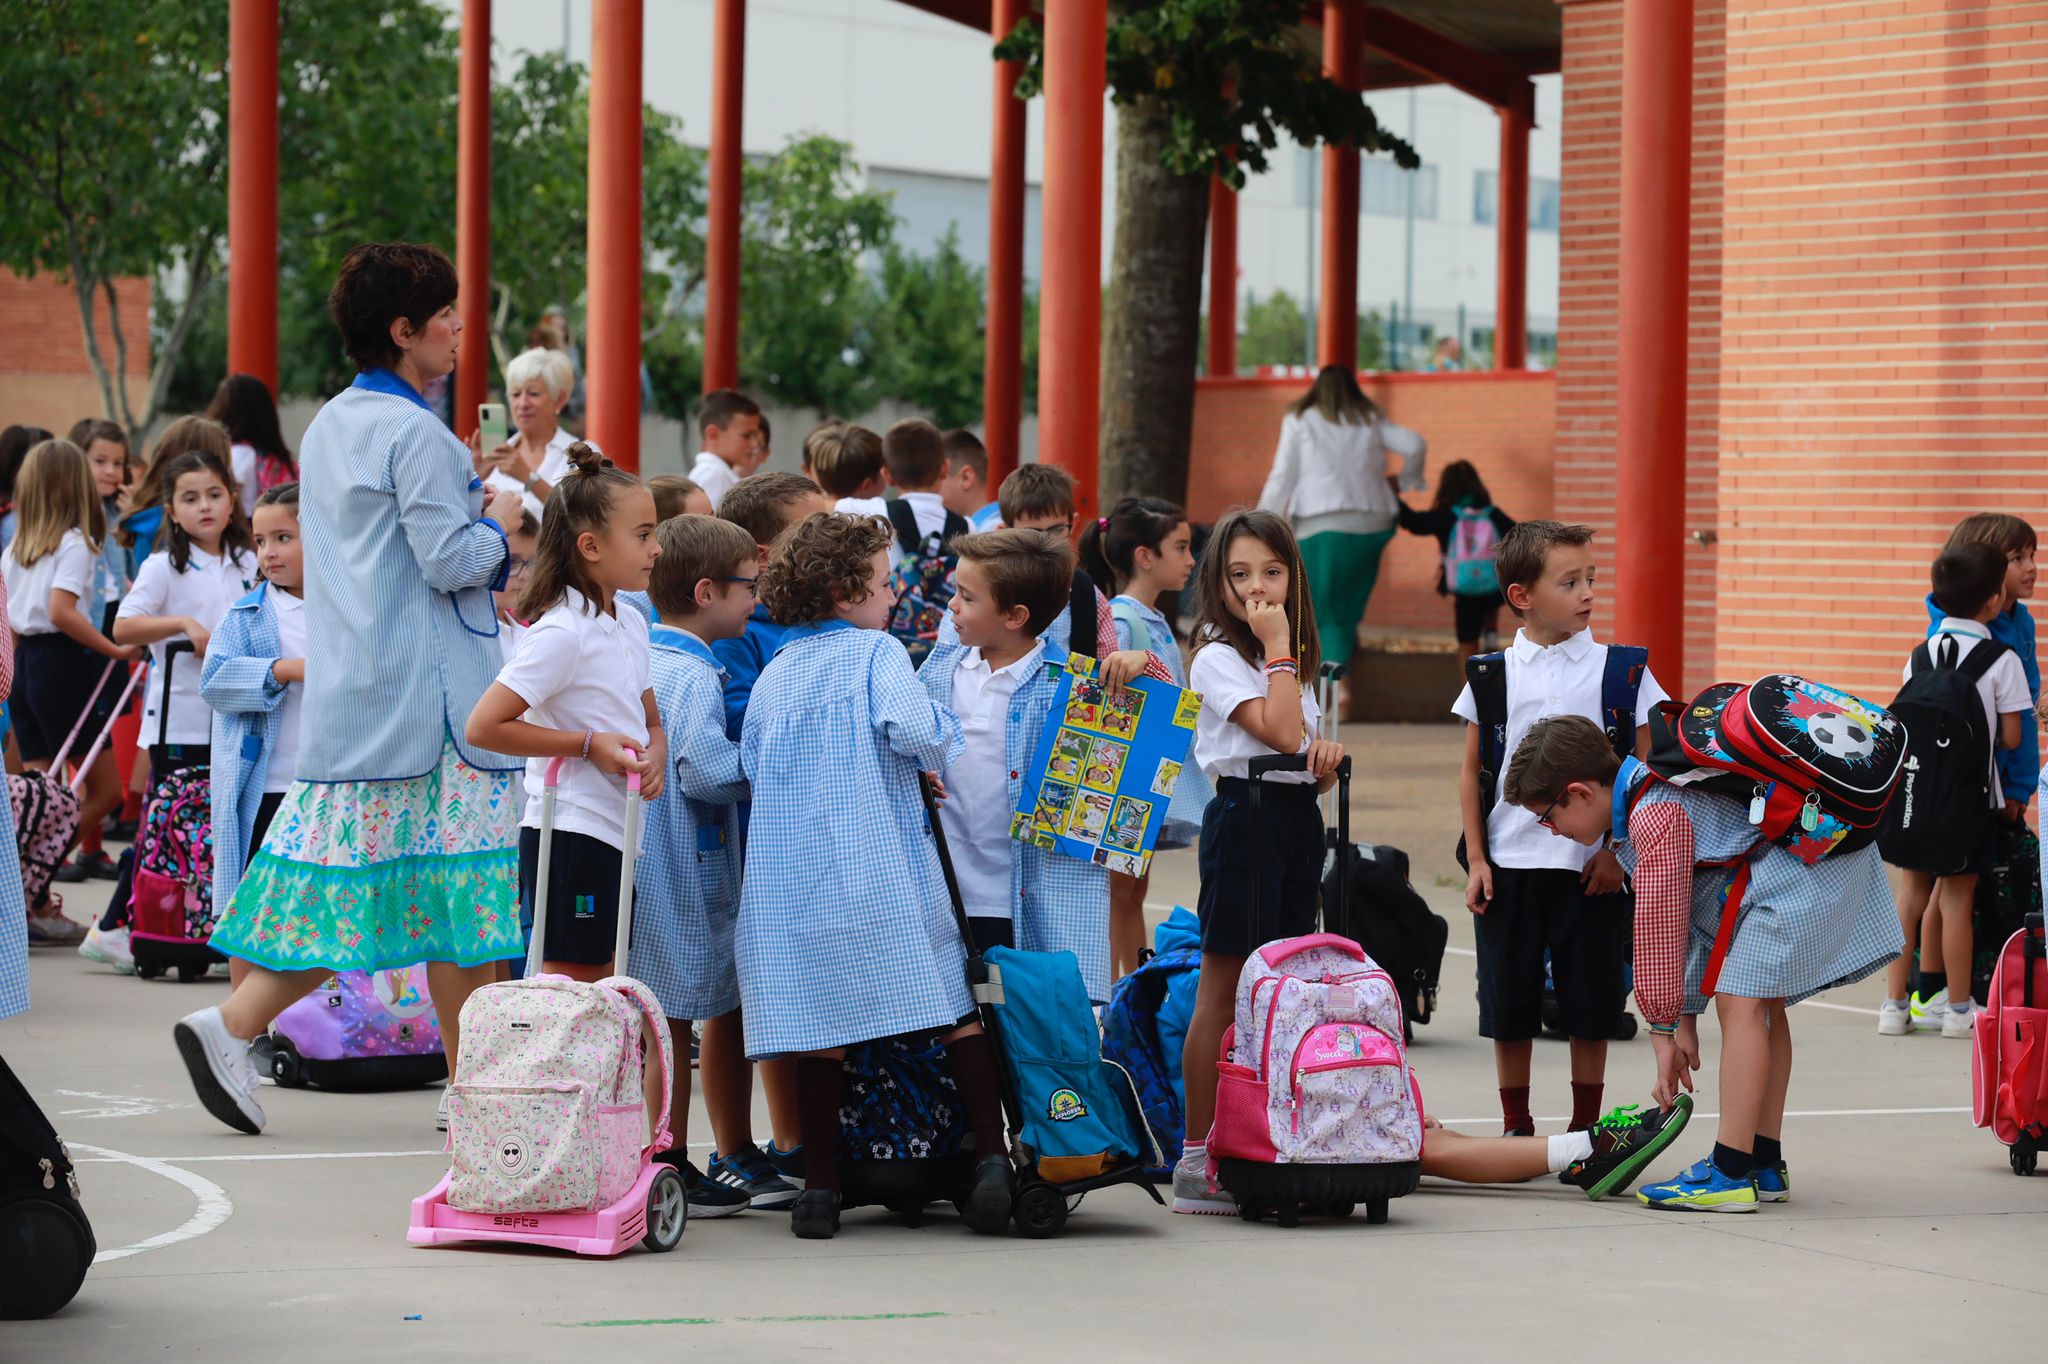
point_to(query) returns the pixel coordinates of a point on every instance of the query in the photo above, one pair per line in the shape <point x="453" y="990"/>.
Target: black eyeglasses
<point x="1548" y="811"/>
<point x="516" y="565"/>
<point x="752" y="590"/>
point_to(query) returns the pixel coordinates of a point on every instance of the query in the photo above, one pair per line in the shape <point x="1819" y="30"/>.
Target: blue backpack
<point x="1138" y="1035"/>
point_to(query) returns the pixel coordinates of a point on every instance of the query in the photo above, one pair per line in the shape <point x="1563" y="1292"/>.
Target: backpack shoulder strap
<point x="1083" y="628"/>
<point x="1124" y="610"/>
<point x="1487" y="675"/>
<point x="1981" y="659"/>
<point x="956" y="526"/>
<point x="904" y="519"/>
<point x="1621" y="683"/>
<point x="1922" y="660"/>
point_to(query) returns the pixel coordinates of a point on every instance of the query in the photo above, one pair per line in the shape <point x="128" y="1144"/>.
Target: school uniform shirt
<point x="1560" y="679"/>
<point x="238" y="681"/>
<point x="554" y="463"/>
<point x="579" y="669"/>
<point x="2003" y="687"/>
<point x="714" y="476"/>
<point x="509" y="635"/>
<point x="70" y="568"/>
<point x="976" y="814"/>
<point x="1226" y="681"/>
<point x="291" y="643"/>
<point x="928" y="508"/>
<point x="744" y="658"/>
<point x="110" y="571"/>
<point x="877" y="507"/>
<point x="204" y="590"/>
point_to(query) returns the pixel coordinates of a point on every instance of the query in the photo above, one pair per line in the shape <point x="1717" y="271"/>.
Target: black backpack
<point x="1936" y="816"/>
<point x="46" y="1243"/>
<point x="1385" y="916"/>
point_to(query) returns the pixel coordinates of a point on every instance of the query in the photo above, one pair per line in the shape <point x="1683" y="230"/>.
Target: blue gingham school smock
<point x="845" y="931"/>
<point x="13" y="915"/>
<point x="688" y="896"/>
<point x="1802" y="929"/>
<point x="1192" y="791"/>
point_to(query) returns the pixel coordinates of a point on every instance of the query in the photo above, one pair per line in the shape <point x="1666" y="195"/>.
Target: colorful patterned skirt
<point x="377" y="875"/>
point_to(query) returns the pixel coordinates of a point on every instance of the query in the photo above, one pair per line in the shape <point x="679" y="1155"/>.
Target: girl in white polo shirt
<point x="579" y="686"/>
<point x="180" y="593"/>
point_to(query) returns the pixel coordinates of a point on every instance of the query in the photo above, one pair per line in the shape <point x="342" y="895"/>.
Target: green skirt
<point x="378" y="875"/>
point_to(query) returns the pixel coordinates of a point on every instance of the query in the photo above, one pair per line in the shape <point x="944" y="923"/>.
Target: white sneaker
<point x="1893" y="1019"/>
<point x="52" y="929"/>
<point x="109" y="947"/>
<point x="1929" y="1012"/>
<point x="221" y="1070"/>
<point x="1193" y="1193"/>
<point x="1959" y="1022"/>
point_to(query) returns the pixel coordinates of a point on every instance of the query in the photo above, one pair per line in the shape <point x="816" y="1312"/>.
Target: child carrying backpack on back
<point x="1964" y="698"/>
<point x="1468" y="529"/>
<point x="914" y="452"/>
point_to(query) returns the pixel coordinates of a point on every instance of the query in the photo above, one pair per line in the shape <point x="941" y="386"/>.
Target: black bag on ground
<point x="1392" y="922"/>
<point x="1933" y="822"/>
<point x="2006" y="895"/>
<point x="46" y="1243"/>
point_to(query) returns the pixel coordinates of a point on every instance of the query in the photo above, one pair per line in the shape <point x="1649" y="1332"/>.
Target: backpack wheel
<point x="1340" y="1211"/>
<point x="188" y="974"/>
<point x="286" y="1065"/>
<point x="1288" y="1214"/>
<point x="668" y="1211"/>
<point x="1252" y="1212"/>
<point x="148" y="970"/>
<point x="2023" y="1159"/>
<point x="1041" y="1211"/>
<point x="1375" y="1212"/>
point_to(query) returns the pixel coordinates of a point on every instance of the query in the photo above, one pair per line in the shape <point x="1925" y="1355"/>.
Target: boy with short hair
<point x="966" y="489"/>
<point x="1969" y="580"/>
<point x="914" y="453"/>
<point x="1528" y="892"/>
<point x="731" y="425"/>
<point x="997" y="676"/>
<point x="765" y="506"/>
<point x="825" y="432"/>
<point x="676" y="496"/>
<point x="690" y="869"/>
<point x="847" y="463"/>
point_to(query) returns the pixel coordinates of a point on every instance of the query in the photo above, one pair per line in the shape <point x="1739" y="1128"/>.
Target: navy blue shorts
<point x="1277" y="860"/>
<point x="583" y="896"/>
<point x="1534" y="910"/>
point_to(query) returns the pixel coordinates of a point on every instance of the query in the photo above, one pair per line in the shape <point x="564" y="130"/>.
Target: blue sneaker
<point x="788" y="1165"/>
<point x="1772" y="1185"/>
<point x="747" y="1171"/>
<point x="1701" y="1188"/>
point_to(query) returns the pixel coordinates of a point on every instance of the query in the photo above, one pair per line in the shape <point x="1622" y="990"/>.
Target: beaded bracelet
<point x="1664" y="1029"/>
<point x="588" y="734"/>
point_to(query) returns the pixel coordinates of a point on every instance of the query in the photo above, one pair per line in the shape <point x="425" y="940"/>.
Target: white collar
<point x="1957" y="625"/>
<point x="1019" y="669"/>
<point x="1574" y="647"/>
<point x="585" y="609"/>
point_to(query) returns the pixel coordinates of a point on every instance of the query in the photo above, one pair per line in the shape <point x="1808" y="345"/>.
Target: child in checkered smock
<point x="1721" y="914"/>
<point x="845" y="933"/>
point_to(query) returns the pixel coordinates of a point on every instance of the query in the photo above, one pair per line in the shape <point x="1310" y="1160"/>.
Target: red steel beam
<point x="612" y="378"/>
<point x="1337" y="313"/>
<point x="1222" y="279"/>
<point x="1511" y="238"/>
<point x="1002" y="409"/>
<point x="473" y="215"/>
<point x="252" y="189"/>
<point x="722" y="216"/>
<point x="1449" y="62"/>
<point x="1070" y="309"/>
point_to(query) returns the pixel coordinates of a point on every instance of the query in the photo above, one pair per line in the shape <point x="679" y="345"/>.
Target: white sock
<point x="1569" y="1147"/>
<point x="1961" y="1006"/>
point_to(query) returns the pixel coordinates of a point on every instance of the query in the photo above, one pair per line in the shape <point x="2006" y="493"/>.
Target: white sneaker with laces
<point x="1959" y="1022"/>
<point x="1192" y="1191"/>
<point x="221" y="1070"/>
<point x="1928" y="1013"/>
<point x="1893" y="1019"/>
<point x="109" y="947"/>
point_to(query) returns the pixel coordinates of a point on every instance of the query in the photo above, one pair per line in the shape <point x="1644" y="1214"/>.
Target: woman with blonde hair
<point x="537" y="387"/>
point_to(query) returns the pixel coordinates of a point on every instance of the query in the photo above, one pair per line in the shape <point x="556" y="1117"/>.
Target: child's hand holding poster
<point x="1104" y="770"/>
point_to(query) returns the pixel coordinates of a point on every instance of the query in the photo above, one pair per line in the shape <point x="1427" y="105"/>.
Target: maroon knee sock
<point x="1514" y="1109"/>
<point x="817" y="1119"/>
<point x="1585" y="1105"/>
<point x="974" y="1068"/>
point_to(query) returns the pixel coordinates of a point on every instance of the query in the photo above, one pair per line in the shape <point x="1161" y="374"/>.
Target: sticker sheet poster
<point x="1105" y="767"/>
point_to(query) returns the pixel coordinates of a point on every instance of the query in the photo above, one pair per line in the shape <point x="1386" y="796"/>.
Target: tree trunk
<point x="1153" y="314"/>
<point x="198" y="275"/>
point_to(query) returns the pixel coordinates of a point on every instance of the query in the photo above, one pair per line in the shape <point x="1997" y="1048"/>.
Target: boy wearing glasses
<point x="1532" y="894"/>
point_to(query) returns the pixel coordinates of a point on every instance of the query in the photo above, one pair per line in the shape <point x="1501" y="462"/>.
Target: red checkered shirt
<point x="1662" y="835"/>
<point x="1105" y="633"/>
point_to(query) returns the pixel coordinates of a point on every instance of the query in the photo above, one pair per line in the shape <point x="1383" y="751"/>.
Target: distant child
<point x="1141" y="550"/>
<point x="1970" y="590"/>
<point x="731" y="426"/>
<point x="824" y="433"/>
<point x="1462" y="503"/>
<point x="847" y="463"/>
<point x="844" y="932"/>
<point x="580" y="679"/>
<point x="60" y="653"/>
<point x="141" y="529"/>
<point x="1041" y="497"/>
<point x="106" y="449"/>
<point x="255" y="680"/>
<point x="966" y="488"/>
<point x="522" y="542"/>
<point x="1011" y="583"/>
<point x="763" y="450"/>
<point x="766" y="507"/>
<point x="914" y="452"/>
<point x="1796" y="931"/>
<point x="676" y="496"/>
<point x="1255" y="641"/>
<point x="703" y="584"/>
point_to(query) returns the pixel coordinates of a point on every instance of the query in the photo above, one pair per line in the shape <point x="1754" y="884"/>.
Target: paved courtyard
<point x="1908" y="1235"/>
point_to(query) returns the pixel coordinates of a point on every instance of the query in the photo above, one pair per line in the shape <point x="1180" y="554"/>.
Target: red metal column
<point x="722" y="214"/>
<point x="473" y="215"/>
<point x="1337" y="313"/>
<point x="1511" y="229"/>
<point x="612" y="365"/>
<point x="1656" y="182"/>
<point x="252" y="189"/>
<point x="1222" y="279"/>
<point x="1002" y="403"/>
<point x="1070" y="307"/>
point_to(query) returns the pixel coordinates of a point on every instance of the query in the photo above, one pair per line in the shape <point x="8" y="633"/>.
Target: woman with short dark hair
<point x="396" y="842"/>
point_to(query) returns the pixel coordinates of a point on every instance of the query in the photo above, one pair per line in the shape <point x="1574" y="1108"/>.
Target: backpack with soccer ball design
<point x="1935" y="822"/>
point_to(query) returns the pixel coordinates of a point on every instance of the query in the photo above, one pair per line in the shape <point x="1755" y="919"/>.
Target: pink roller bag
<point x="2009" y="1071"/>
<point x="45" y="806"/>
<point x="547" y="1117"/>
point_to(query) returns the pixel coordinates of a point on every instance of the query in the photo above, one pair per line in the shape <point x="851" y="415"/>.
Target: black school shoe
<point x="987" y="1205"/>
<point x="815" y="1215"/>
<point x="1624" y="1143"/>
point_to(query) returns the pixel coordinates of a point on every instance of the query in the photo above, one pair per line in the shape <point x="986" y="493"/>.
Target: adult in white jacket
<point x="1330" y="480"/>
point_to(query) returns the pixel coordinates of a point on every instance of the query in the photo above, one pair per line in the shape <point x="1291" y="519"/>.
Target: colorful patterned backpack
<point x="174" y="858"/>
<point x="922" y="579"/>
<point x="361" y="1030"/>
<point x="1469" y="569"/>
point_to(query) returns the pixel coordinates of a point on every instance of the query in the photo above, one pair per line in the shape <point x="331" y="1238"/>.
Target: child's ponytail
<point x="581" y="501"/>
<point x="1109" y="544"/>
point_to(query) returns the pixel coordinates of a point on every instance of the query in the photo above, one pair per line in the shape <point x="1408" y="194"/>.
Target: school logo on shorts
<point x="513" y="1153"/>
<point x="1065" y="1106"/>
<point x="586" y="906"/>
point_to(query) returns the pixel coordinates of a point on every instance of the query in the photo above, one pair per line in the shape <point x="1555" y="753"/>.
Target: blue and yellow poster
<point x="1105" y="767"/>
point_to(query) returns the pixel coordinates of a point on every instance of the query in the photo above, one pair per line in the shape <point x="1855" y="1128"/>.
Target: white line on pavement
<point x="214" y="1207"/>
<point x="1801" y="1113"/>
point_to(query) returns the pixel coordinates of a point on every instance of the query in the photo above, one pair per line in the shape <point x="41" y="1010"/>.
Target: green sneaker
<point x="1772" y="1185"/>
<point x="1624" y="1142"/>
<point x="1702" y="1188"/>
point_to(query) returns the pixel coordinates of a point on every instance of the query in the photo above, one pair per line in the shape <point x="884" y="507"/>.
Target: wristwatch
<point x="532" y="477"/>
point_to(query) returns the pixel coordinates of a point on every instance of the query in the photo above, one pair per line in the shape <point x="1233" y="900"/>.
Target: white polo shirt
<point x="714" y="476"/>
<point x="2002" y="688"/>
<point x="70" y="567"/>
<point x="1226" y="681"/>
<point x="291" y="643"/>
<point x="976" y="814"/>
<point x="928" y="508"/>
<point x="877" y="507"/>
<point x="205" y="590"/>
<point x="1562" y="679"/>
<point x="579" y="669"/>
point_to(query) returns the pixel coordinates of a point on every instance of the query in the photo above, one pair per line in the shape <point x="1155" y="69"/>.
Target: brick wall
<point x="1589" y="296"/>
<point x="1885" y="333"/>
<point x="44" y="377"/>
<point x="1503" y="423"/>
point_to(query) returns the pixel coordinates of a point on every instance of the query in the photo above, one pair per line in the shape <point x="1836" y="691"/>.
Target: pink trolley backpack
<point x="172" y="912"/>
<point x="2009" y="1071"/>
<point x="1316" y="1109"/>
<point x="547" y="1118"/>
<point x="45" y="805"/>
<point x="360" y="1030"/>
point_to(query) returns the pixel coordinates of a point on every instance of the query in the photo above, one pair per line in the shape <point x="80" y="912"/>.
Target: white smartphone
<point x="490" y="420"/>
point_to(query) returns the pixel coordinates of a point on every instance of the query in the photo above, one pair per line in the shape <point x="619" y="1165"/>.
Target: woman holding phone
<point x="538" y="383"/>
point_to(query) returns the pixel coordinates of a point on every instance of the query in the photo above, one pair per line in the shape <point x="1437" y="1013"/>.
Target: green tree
<point x="1275" y="332"/>
<point x="930" y="331"/>
<point x="1202" y="87"/>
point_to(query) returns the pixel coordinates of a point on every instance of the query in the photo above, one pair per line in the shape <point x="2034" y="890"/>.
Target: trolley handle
<point x="1267" y="763"/>
<point x="551" y="777"/>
